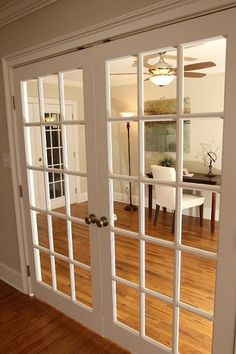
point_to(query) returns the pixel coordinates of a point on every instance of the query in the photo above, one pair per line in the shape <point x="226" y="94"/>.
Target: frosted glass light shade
<point x="162" y="80"/>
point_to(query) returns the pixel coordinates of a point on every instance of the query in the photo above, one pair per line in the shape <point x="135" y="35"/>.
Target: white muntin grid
<point x="45" y="170"/>
<point x="142" y="180"/>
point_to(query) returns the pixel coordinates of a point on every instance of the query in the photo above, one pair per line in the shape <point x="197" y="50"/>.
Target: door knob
<point x="103" y="222"/>
<point x="91" y="219"/>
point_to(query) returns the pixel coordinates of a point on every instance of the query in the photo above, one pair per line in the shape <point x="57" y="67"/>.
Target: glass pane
<point x="78" y="191"/>
<point x="127" y="304"/>
<point x="73" y="93"/>
<point x="127" y="258"/>
<point x="195" y="335"/>
<point x="33" y="144"/>
<point x="51" y="91"/>
<point x="160" y="144"/>
<point x="59" y="230"/>
<point x="63" y="276"/>
<point x="160" y="81"/>
<point x="32" y="111"/>
<point x="200" y="222"/>
<point x="57" y="192"/>
<point x="123" y="86"/>
<point x="158" y="320"/>
<point x="76" y="149"/>
<point x="83" y="286"/>
<point x="42" y="228"/>
<point x="37" y="189"/>
<point x="54" y="153"/>
<point x="125" y="148"/>
<point x="205" y="76"/>
<point x="81" y="243"/>
<point x="159" y="271"/>
<point x="204" y="154"/>
<point x="46" y="268"/>
<point x="160" y="206"/>
<point x="126" y="201"/>
<point x="197" y="284"/>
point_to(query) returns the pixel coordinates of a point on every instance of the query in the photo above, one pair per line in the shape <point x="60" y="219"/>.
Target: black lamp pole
<point x="130" y="206"/>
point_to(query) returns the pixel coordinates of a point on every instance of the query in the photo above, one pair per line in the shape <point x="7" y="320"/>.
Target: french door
<point x="144" y="286"/>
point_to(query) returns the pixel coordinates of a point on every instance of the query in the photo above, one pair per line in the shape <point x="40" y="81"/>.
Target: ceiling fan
<point x="163" y="73"/>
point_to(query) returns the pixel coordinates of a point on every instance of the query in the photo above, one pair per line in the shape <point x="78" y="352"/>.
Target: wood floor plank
<point x="28" y="326"/>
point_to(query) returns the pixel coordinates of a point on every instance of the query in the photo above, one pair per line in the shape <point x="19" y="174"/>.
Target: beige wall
<point x="60" y="18"/>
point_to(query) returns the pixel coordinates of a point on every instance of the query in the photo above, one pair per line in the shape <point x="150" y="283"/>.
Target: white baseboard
<point x="11" y="277"/>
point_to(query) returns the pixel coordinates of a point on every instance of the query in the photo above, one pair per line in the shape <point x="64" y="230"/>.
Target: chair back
<point x="164" y="195"/>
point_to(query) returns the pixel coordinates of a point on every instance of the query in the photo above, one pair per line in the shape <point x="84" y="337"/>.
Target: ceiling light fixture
<point x="163" y="73"/>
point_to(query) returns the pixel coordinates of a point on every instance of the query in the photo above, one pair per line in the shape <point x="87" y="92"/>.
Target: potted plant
<point x="167" y="161"/>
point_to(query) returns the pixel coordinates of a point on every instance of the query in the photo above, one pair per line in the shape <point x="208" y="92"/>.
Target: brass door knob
<point x="103" y="222"/>
<point x="91" y="219"/>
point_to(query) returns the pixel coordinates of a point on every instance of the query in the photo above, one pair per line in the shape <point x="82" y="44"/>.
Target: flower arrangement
<point x="167" y="161"/>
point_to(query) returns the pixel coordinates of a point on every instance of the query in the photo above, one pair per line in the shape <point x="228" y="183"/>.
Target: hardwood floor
<point x="29" y="326"/>
<point x="197" y="273"/>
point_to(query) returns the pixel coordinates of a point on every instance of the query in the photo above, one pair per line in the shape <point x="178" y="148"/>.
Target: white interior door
<point x="164" y="291"/>
<point x="64" y="261"/>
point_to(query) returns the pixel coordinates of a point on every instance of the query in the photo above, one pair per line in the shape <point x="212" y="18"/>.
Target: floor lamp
<point x="130" y="206"/>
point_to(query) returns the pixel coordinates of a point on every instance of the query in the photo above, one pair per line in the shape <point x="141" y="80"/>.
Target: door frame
<point x="135" y="21"/>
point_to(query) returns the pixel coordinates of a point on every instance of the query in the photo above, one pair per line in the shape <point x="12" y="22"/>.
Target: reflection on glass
<point x="81" y="243"/>
<point x="158" y="320"/>
<point x="127" y="258"/>
<point x="32" y="111"/>
<point x="51" y="91"/>
<point x="76" y="149"/>
<point x="123" y="86"/>
<point x="127" y="305"/>
<point x="125" y="148"/>
<point x="54" y="154"/>
<point x="33" y="143"/>
<point x="83" y="286"/>
<point x="46" y="268"/>
<point x="200" y="225"/>
<point x="200" y="336"/>
<point x="63" y="276"/>
<point x="57" y="192"/>
<point x="205" y="142"/>
<point x="59" y="231"/>
<point x="37" y="189"/>
<point x="198" y="277"/>
<point x="73" y="91"/>
<point x="126" y="201"/>
<point x="78" y="191"/>
<point x="42" y="228"/>
<point x="160" y="81"/>
<point x="160" y="210"/>
<point x="160" y="144"/>
<point x="205" y="75"/>
<point x="159" y="268"/>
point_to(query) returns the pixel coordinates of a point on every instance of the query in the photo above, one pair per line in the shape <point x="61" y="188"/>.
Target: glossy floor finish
<point x="197" y="273"/>
<point x="28" y="326"/>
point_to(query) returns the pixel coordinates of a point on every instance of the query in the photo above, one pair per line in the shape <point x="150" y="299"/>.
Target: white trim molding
<point x="163" y="13"/>
<point x="11" y="277"/>
<point x="13" y="10"/>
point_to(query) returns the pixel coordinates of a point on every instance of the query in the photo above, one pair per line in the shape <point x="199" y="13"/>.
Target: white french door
<point x="141" y="285"/>
<point x="63" y="249"/>
<point x="164" y="291"/>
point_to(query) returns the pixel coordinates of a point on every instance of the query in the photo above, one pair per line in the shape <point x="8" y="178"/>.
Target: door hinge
<point x="28" y="270"/>
<point x="13" y="101"/>
<point x="73" y="154"/>
<point x="21" y="191"/>
<point x="76" y="190"/>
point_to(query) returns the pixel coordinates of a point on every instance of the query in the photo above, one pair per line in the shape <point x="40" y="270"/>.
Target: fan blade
<point x="167" y="56"/>
<point x="196" y="75"/>
<point x="203" y="65"/>
<point x="119" y="74"/>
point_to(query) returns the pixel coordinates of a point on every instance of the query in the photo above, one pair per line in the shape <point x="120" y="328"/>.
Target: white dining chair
<point x="165" y="195"/>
